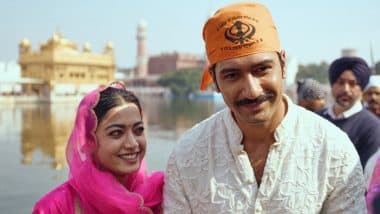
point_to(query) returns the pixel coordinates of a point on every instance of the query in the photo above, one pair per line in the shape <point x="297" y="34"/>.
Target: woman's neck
<point x="122" y="179"/>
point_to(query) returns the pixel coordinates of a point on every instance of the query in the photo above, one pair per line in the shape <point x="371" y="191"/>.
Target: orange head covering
<point x="238" y="30"/>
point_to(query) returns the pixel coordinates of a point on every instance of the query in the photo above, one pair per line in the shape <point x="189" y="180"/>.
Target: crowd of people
<point x="261" y="154"/>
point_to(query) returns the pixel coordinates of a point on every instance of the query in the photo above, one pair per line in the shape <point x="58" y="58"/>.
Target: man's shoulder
<point x="313" y="125"/>
<point x="315" y="121"/>
<point x="201" y="132"/>
<point x="367" y="116"/>
<point x="192" y="148"/>
<point x="323" y="112"/>
<point x="363" y="121"/>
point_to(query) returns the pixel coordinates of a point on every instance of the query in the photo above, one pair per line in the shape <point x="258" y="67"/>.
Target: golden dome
<point x="108" y="48"/>
<point x="56" y="37"/>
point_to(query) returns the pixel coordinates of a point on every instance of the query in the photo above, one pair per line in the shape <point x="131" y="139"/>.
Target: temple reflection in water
<point x="45" y="129"/>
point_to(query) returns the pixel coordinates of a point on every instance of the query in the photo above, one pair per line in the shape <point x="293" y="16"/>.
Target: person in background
<point x="311" y="94"/>
<point x="263" y="153"/>
<point x="348" y="77"/>
<point x="372" y="102"/>
<point x="376" y="204"/>
<point x="372" y="172"/>
<point x="372" y="95"/>
<point x="105" y="153"/>
<point x="372" y="169"/>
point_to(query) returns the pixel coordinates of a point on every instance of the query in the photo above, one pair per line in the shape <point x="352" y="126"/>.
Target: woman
<point x="372" y="175"/>
<point x="105" y="153"/>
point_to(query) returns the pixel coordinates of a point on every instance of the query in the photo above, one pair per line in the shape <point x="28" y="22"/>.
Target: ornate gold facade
<point x="59" y="63"/>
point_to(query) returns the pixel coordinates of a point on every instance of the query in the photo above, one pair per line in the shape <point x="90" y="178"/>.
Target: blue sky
<point x="311" y="31"/>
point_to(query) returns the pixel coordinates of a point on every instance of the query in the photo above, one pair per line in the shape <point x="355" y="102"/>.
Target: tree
<point x="318" y="72"/>
<point x="182" y="82"/>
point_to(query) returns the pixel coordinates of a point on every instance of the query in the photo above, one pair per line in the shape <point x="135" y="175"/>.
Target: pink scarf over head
<point x="374" y="187"/>
<point x="99" y="191"/>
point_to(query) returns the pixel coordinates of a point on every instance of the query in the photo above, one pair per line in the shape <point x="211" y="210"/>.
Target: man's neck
<point x="340" y="112"/>
<point x="259" y="133"/>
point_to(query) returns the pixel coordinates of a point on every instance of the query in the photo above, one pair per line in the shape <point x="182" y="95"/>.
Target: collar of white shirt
<point x="353" y="110"/>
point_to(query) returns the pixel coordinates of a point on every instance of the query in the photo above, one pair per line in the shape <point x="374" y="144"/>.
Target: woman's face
<point x="121" y="140"/>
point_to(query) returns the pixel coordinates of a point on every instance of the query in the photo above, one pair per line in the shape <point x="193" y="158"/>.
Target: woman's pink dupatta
<point x="98" y="191"/>
<point x="374" y="187"/>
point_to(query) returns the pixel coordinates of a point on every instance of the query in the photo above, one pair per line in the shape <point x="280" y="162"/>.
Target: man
<point x="311" y="94"/>
<point x="262" y="154"/>
<point x="348" y="77"/>
<point x="372" y="95"/>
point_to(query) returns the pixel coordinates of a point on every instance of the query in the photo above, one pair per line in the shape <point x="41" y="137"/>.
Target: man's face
<point x="346" y="90"/>
<point x="372" y="98"/>
<point x="252" y="86"/>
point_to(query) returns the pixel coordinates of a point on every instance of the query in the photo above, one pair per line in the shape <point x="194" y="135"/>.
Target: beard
<point x="345" y="100"/>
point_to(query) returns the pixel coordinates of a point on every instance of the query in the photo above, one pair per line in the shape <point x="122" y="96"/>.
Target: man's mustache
<point x="268" y="95"/>
<point x="343" y="94"/>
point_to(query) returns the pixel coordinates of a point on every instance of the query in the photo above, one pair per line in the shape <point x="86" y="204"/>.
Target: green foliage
<point x="316" y="71"/>
<point x="182" y="82"/>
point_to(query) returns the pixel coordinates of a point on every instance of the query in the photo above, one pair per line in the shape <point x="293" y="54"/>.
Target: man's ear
<point x="282" y="56"/>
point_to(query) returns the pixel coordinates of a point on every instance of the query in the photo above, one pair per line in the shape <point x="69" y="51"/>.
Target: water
<point x="33" y="139"/>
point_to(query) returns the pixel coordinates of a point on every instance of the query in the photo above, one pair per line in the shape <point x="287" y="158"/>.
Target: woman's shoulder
<point x="59" y="200"/>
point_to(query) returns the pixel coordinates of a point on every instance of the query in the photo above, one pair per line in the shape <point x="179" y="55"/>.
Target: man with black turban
<point x="348" y="77"/>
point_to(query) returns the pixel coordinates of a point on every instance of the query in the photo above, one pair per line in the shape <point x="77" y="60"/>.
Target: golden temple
<point x="59" y="68"/>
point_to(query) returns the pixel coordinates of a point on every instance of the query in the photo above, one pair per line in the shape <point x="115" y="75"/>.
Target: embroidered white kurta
<point x="311" y="168"/>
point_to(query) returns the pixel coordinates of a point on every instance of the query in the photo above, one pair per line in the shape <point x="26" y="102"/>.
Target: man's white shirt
<point x="311" y="168"/>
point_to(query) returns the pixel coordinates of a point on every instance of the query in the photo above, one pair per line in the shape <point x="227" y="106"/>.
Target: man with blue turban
<point x="348" y="77"/>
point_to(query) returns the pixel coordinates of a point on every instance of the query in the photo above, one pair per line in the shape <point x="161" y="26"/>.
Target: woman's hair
<point x="112" y="97"/>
